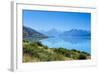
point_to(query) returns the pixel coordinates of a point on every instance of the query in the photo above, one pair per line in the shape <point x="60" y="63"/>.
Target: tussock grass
<point x="36" y="52"/>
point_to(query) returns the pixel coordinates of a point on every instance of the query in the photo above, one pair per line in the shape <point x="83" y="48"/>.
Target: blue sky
<point x="62" y="21"/>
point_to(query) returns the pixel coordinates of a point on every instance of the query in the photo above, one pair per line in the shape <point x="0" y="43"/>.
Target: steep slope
<point x="32" y="35"/>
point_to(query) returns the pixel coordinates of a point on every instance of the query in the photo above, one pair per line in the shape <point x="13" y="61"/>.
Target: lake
<point x="78" y="43"/>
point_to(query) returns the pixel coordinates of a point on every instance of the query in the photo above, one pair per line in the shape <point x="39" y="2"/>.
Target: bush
<point x="39" y="43"/>
<point x="60" y="51"/>
<point x="82" y="56"/>
<point x="74" y="50"/>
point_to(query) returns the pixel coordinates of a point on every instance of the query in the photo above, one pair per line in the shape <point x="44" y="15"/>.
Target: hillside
<point x="30" y="34"/>
<point x="37" y="52"/>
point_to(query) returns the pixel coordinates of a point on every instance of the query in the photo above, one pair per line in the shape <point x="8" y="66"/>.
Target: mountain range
<point x="52" y="32"/>
<point x="75" y="32"/>
<point x="34" y="35"/>
<point x="68" y="33"/>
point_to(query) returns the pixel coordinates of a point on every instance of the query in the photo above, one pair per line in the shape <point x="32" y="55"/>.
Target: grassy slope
<point x="36" y="52"/>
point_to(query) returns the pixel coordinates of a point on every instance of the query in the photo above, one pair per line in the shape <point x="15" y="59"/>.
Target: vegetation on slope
<point x="36" y="52"/>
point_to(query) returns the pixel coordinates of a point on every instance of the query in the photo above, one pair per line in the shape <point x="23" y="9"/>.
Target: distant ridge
<point x="76" y="32"/>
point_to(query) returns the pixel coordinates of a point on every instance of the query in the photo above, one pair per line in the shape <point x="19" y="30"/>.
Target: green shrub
<point x="39" y="43"/>
<point x="82" y="56"/>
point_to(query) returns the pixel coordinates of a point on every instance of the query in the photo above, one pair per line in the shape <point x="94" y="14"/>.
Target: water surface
<point x="78" y="43"/>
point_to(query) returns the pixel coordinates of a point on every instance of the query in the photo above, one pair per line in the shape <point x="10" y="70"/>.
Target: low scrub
<point x="36" y="52"/>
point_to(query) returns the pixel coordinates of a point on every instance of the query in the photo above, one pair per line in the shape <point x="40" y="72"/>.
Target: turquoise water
<point x="78" y="43"/>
